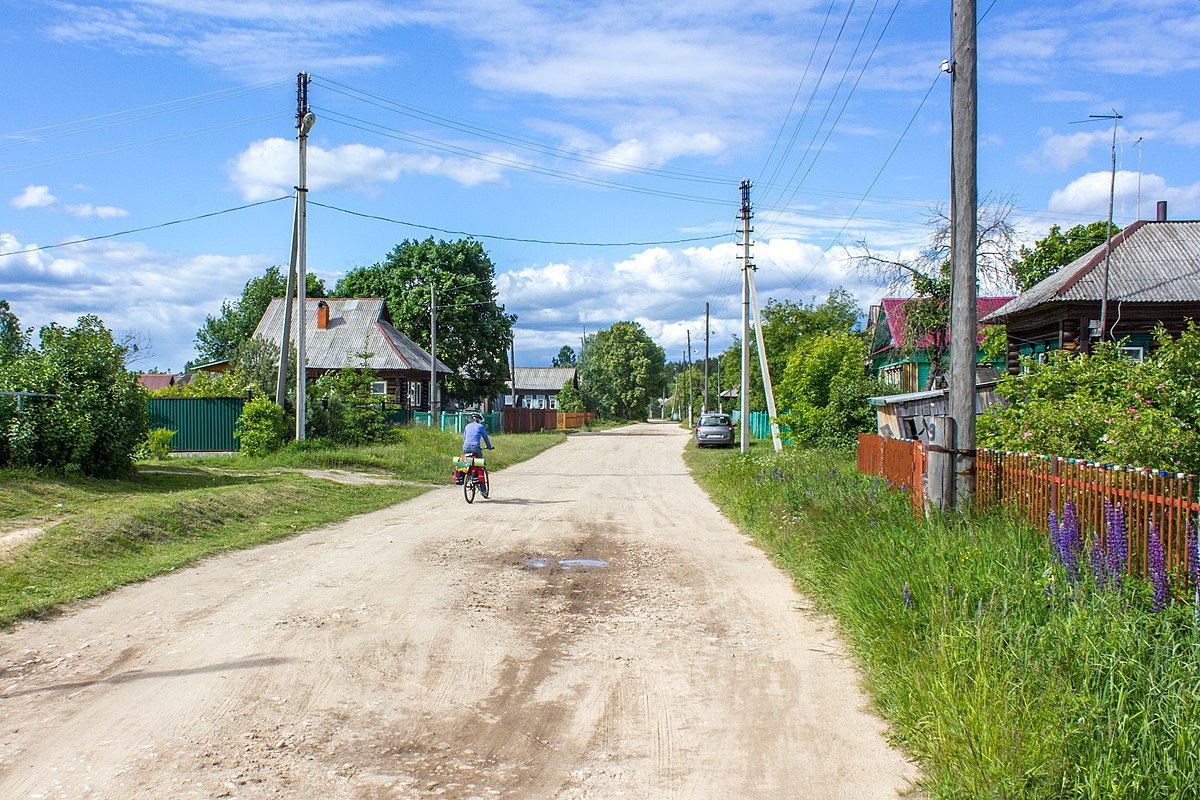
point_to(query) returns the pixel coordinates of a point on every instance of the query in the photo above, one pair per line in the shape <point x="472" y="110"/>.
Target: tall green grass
<point x="1001" y="679"/>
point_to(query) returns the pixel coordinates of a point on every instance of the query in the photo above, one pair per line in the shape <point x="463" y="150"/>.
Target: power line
<point x="512" y="238"/>
<point x="147" y="228"/>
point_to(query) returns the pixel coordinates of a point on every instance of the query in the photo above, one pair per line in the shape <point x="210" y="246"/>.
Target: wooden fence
<point x="899" y="461"/>
<point x="529" y="420"/>
<point x="1034" y="485"/>
<point x="572" y="419"/>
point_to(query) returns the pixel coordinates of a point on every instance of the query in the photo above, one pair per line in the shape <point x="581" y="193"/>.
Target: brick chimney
<point x="322" y="315"/>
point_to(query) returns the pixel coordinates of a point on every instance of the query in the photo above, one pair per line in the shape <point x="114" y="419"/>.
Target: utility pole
<point x="704" y="403"/>
<point x="1112" y="185"/>
<point x="289" y="293"/>
<point x="720" y="402"/>
<point x="963" y="309"/>
<point x="433" y="392"/>
<point x="744" y="388"/>
<point x="687" y="360"/>
<point x="764" y="368"/>
<point x="304" y="122"/>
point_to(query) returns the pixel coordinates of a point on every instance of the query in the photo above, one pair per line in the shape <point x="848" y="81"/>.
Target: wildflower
<point x="1193" y="563"/>
<point x="906" y="596"/>
<point x="1159" y="580"/>
<point x="1116" y="543"/>
<point x="1026" y="435"/>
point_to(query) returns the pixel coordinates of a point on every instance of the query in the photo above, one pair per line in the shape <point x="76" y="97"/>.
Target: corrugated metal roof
<point x="542" y="379"/>
<point x="356" y="325"/>
<point x="1151" y="262"/>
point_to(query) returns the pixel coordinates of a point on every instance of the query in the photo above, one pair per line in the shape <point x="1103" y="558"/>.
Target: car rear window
<point x="714" y="420"/>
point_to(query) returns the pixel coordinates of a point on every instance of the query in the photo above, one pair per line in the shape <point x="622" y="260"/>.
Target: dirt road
<point x="436" y="649"/>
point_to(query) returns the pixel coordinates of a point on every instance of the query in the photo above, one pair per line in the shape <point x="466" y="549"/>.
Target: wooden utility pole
<point x="687" y="360"/>
<point x="768" y="391"/>
<point x="964" y="326"/>
<point x="281" y="380"/>
<point x="304" y="124"/>
<point x="744" y="388"/>
<point x="704" y="402"/>
<point x="433" y="392"/>
<point x="1112" y="185"/>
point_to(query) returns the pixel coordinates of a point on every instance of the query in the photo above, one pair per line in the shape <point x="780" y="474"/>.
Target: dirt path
<point x="436" y="649"/>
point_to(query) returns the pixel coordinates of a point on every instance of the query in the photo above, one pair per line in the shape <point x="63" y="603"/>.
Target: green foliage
<point x="474" y="333"/>
<point x="262" y="427"/>
<point x="995" y="344"/>
<point x="343" y="408"/>
<point x="157" y="444"/>
<point x="787" y="326"/>
<point x="622" y="371"/>
<point x="14" y="340"/>
<point x="565" y="357"/>
<point x="220" y="336"/>
<point x="1104" y="407"/>
<point x="1058" y="249"/>
<point x="569" y="398"/>
<point x="97" y="419"/>
<point x="824" y="391"/>
<point x="994" y="689"/>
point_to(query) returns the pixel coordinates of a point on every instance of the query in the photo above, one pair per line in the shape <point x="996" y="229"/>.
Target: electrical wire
<point x="511" y="238"/>
<point x="146" y="228"/>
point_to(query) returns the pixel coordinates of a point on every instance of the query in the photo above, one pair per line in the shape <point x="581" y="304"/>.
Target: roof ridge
<point x="1098" y="256"/>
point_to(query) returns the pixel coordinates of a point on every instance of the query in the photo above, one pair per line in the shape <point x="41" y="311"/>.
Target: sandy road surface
<point x="417" y="652"/>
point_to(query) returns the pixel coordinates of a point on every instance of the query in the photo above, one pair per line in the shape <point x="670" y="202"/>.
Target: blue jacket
<point x="471" y="436"/>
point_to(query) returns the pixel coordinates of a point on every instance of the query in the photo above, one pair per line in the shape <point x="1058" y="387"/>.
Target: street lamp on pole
<point x="305" y="125"/>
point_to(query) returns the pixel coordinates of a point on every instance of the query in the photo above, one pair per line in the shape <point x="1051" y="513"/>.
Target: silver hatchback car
<point x="714" y="429"/>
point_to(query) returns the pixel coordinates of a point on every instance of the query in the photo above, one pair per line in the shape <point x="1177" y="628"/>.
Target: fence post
<point x="939" y="473"/>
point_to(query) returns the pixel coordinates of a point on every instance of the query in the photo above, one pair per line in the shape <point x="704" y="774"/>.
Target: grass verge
<point x="101" y="534"/>
<point x="1001" y="676"/>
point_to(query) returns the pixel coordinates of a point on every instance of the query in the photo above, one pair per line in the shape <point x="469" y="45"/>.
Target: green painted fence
<point x="200" y="423"/>
<point x="454" y="421"/>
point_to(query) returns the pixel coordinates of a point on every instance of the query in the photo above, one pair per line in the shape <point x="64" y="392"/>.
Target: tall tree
<point x="473" y="331"/>
<point x="1057" y="250"/>
<point x="565" y="357"/>
<point x="14" y="340"/>
<point x="220" y="336"/>
<point x="622" y="371"/>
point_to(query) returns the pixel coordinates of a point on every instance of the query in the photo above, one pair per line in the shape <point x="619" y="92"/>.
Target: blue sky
<point x="559" y="122"/>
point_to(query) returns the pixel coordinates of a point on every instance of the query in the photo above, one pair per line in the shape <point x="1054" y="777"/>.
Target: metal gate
<point x="200" y="423"/>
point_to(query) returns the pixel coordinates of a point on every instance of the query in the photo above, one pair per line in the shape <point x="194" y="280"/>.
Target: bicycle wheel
<point x="469" y="486"/>
<point x="483" y="484"/>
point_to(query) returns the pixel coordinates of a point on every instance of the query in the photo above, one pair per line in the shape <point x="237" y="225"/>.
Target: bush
<point x="262" y="428"/>
<point x="97" y="418"/>
<point x="1104" y="407"/>
<point x="157" y="444"/>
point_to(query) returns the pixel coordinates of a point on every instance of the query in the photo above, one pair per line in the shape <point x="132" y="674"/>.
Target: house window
<point x="378" y="387"/>
<point x="541" y="401"/>
<point x="1137" y="354"/>
<point x="554" y="401"/>
<point x="891" y="376"/>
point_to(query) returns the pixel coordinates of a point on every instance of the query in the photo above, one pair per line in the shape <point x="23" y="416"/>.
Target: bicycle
<point x="474" y="476"/>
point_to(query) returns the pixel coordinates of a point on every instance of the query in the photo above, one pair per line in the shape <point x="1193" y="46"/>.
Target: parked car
<point x="714" y="429"/>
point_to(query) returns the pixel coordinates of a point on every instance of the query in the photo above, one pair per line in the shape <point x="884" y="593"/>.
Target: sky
<point x="148" y="149"/>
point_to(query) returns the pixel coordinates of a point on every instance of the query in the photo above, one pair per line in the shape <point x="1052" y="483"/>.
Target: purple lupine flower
<point x="906" y="596"/>
<point x="1070" y="541"/>
<point x="1054" y="537"/>
<point x="1117" y="542"/>
<point x="1159" y="580"/>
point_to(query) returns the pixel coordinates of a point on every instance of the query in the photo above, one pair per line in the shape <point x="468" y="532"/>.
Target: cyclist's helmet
<point x="477" y="417"/>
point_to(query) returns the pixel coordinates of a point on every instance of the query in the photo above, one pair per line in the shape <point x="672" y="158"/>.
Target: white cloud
<point x="267" y="168"/>
<point x="129" y="285"/>
<point x="34" y="197"/>
<point x="657" y="147"/>
<point x="1060" y="151"/>
<point x="665" y="291"/>
<point x="1088" y="195"/>
<point x="99" y="212"/>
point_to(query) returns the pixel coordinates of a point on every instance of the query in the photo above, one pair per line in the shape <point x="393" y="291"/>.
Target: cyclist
<point x="472" y="434"/>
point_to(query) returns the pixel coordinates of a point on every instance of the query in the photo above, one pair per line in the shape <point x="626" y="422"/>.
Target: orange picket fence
<point x="901" y="462"/>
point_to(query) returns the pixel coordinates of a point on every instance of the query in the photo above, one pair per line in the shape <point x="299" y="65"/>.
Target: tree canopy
<point x="621" y="371"/>
<point x="565" y="357"/>
<point x="473" y="331"/>
<point x="1057" y="250"/>
<point x="97" y="416"/>
<point x="220" y="336"/>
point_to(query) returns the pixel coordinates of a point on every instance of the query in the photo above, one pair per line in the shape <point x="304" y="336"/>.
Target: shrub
<point x="157" y="444"/>
<point x="262" y="427"/>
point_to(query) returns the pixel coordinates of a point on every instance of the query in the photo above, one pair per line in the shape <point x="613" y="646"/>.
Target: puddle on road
<point x="546" y="562"/>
